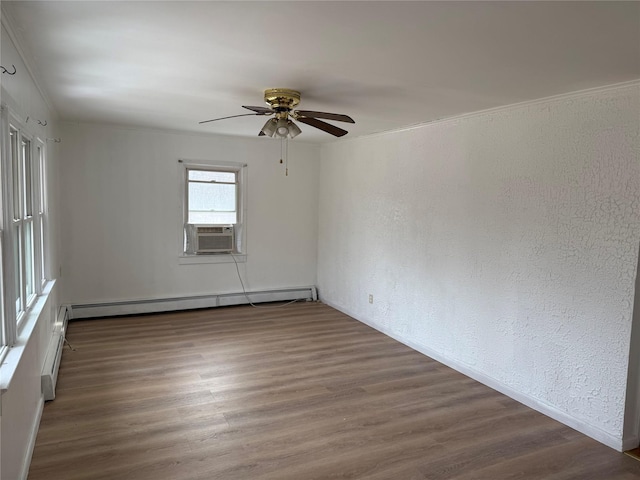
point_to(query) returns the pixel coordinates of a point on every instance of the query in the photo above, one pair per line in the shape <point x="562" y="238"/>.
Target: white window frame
<point x="40" y="213"/>
<point x="4" y="334"/>
<point x="240" y="227"/>
<point x="21" y="223"/>
<point x="13" y="317"/>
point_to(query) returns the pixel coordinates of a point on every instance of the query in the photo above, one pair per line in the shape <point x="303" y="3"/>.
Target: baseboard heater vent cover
<point x="49" y="376"/>
<point x="135" y="307"/>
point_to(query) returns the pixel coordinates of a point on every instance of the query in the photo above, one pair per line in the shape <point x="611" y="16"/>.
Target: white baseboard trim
<point x="134" y="307"/>
<point x="26" y="461"/>
<point x="542" y="407"/>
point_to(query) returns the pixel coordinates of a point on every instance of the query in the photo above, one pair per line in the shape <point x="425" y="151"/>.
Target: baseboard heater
<point x="51" y="365"/>
<point x="134" y="307"/>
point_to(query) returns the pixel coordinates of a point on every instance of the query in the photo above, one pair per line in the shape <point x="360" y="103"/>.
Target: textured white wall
<point x="122" y="214"/>
<point x="505" y="243"/>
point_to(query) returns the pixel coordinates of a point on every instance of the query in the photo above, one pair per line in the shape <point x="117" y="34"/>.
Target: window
<point x="23" y="237"/>
<point x="214" y="195"/>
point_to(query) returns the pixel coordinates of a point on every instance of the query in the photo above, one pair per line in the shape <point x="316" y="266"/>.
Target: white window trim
<point x="9" y="308"/>
<point x="3" y="328"/>
<point x="241" y="225"/>
<point x="7" y="332"/>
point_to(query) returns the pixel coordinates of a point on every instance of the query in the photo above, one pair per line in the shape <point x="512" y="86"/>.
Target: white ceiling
<point x="387" y="64"/>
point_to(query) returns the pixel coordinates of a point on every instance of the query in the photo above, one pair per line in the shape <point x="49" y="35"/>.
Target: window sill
<point x="13" y="354"/>
<point x="218" y="258"/>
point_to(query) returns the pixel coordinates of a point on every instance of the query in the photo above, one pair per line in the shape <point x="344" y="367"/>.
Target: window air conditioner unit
<point x="203" y="239"/>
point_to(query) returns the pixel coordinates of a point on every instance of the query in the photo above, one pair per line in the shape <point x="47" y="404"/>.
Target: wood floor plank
<point x="301" y="392"/>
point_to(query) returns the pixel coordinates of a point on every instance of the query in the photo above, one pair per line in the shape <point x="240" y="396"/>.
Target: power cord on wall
<point x="247" y="295"/>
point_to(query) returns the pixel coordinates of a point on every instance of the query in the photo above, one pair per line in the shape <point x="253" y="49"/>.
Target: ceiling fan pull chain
<point x="281" y="155"/>
<point x="286" y="157"/>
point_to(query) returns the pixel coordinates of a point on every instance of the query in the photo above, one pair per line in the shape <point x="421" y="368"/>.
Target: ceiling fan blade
<point x="329" y="116"/>
<point x="261" y="134"/>
<point x="324" y="126"/>
<point x="259" y="110"/>
<point x="231" y="116"/>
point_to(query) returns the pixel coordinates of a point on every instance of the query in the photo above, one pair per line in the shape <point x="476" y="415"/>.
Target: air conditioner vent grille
<point x="211" y="229"/>
<point x="215" y="242"/>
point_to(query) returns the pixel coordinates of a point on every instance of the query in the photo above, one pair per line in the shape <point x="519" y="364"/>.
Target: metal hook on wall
<point x="43" y="124"/>
<point x="4" y="70"/>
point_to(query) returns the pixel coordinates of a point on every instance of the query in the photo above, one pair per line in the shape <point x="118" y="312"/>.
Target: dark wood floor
<point x="302" y="392"/>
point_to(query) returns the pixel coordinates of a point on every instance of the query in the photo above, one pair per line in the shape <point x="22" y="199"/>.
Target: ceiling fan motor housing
<point x="281" y="99"/>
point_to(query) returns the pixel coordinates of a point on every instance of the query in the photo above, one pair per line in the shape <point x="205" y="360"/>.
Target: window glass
<point x="43" y="274"/>
<point x="212" y="197"/>
<point x="41" y="212"/>
<point x="40" y="160"/>
<point x="28" y="178"/>
<point x="15" y="167"/>
<point x="29" y="265"/>
<point x="212" y="176"/>
<point x="17" y="266"/>
<point x="212" y="203"/>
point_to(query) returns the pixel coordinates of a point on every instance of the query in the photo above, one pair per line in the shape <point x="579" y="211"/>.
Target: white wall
<point x="504" y="244"/>
<point x="21" y="404"/>
<point x="122" y="214"/>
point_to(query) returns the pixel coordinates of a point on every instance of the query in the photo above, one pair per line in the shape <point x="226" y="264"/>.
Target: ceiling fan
<point x="281" y="101"/>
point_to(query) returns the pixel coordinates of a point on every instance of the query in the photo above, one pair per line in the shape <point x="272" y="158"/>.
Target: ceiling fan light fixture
<point x="269" y="128"/>
<point x="294" y="130"/>
<point x="282" y="127"/>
